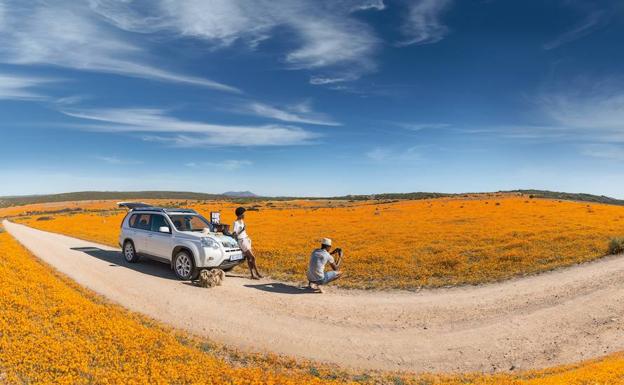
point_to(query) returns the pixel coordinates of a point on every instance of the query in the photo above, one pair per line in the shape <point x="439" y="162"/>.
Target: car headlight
<point x="209" y="242"/>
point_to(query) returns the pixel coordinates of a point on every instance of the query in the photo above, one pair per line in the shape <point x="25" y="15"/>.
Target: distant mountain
<point x="239" y="194"/>
<point x="102" y="195"/>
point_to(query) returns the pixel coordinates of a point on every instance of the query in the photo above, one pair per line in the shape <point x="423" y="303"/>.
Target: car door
<point x="159" y="244"/>
<point x="140" y="224"/>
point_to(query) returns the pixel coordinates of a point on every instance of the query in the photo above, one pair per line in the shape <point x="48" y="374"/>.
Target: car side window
<point x="157" y="222"/>
<point x="132" y="222"/>
<point x="140" y="221"/>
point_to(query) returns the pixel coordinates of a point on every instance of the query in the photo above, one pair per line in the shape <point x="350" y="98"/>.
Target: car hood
<point x="225" y="240"/>
<point x="193" y="234"/>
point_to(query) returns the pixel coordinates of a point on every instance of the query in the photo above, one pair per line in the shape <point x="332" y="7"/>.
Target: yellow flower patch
<point x="405" y="244"/>
<point x="53" y="332"/>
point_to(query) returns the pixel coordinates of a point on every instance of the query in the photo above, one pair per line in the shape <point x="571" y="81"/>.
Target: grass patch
<point x="616" y="245"/>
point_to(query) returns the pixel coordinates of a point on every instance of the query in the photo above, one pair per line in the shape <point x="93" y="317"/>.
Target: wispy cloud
<point x="71" y="100"/>
<point x="228" y="164"/>
<point x="422" y="126"/>
<point x="423" y="24"/>
<point x="587" y="110"/>
<point x="20" y="87"/>
<point x="299" y="113"/>
<point x="391" y="154"/>
<point x="590" y="22"/>
<point x="318" y="80"/>
<point x="327" y="36"/>
<point x="610" y="152"/>
<point x="367" y="5"/>
<point x="116" y="160"/>
<point x="183" y="133"/>
<point x="68" y="34"/>
<point x="589" y="104"/>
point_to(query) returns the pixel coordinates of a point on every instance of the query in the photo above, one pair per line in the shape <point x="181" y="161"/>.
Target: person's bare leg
<point x="255" y="267"/>
<point x="338" y="275"/>
<point x="250" y="263"/>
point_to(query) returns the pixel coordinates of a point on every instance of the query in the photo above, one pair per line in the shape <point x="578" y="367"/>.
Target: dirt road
<point x="558" y="317"/>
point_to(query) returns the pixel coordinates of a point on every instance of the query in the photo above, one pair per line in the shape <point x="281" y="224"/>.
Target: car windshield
<point x="185" y="222"/>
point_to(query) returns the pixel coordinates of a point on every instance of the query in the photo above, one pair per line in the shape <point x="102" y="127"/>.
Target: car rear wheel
<point x="184" y="266"/>
<point x="129" y="252"/>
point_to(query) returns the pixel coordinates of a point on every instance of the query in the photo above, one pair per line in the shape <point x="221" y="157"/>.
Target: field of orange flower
<point x="403" y="244"/>
<point x="53" y="331"/>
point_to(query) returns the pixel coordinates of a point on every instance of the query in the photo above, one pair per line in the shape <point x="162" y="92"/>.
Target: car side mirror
<point x="164" y="229"/>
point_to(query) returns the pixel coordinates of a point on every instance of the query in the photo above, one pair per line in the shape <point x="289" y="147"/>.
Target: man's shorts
<point x="329" y="276"/>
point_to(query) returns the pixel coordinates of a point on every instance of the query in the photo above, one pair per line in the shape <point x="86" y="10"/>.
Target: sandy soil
<point x="558" y="317"/>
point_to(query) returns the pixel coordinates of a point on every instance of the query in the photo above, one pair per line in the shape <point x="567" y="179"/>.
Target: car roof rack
<point x="174" y="210"/>
<point x="133" y="206"/>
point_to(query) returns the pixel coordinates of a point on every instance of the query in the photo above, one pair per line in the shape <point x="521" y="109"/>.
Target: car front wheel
<point x="184" y="266"/>
<point x="129" y="252"/>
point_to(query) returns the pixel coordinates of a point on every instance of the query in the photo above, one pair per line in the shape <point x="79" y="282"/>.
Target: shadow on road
<point x="145" y="266"/>
<point x="282" y="288"/>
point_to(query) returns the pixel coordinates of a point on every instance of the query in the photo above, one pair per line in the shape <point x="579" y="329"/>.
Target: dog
<point x="210" y="278"/>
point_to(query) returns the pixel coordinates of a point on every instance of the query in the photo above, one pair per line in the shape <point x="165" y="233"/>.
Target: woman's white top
<point x="239" y="229"/>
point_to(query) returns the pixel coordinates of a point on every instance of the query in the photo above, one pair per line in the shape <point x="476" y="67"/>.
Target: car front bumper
<point x="227" y="264"/>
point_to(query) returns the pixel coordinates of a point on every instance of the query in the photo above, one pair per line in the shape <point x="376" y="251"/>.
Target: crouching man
<point x="317" y="276"/>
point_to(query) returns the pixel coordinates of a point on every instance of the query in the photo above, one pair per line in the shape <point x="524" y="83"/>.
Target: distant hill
<point x="239" y="194"/>
<point x="103" y="195"/>
<point x="582" y="197"/>
<point x="246" y="196"/>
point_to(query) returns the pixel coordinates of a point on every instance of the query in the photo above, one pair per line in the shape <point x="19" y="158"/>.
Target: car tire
<point x="129" y="252"/>
<point x="184" y="266"/>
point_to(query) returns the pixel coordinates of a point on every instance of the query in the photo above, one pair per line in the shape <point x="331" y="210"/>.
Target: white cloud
<point x="591" y="21"/>
<point x="422" y="126"/>
<point x="324" y="80"/>
<point x="604" y="151"/>
<point x="596" y="105"/>
<point x="71" y="100"/>
<point x="173" y="131"/>
<point x="588" y="111"/>
<point x="377" y="5"/>
<point x="19" y="87"/>
<point x="68" y="34"/>
<point x="423" y="24"/>
<point x="300" y="113"/>
<point x="228" y="164"/>
<point x="332" y="42"/>
<point x="388" y="154"/>
<point x="326" y="35"/>
<point x="116" y="160"/>
<point x="379" y="154"/>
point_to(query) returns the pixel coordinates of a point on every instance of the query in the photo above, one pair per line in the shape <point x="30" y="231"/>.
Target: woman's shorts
<point x="244" y="244"/>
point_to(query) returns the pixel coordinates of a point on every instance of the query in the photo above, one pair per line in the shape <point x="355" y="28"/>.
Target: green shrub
<point x="616" y="245"/>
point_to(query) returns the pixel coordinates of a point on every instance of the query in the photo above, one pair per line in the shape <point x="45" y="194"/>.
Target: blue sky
<point x="311" y="98"/>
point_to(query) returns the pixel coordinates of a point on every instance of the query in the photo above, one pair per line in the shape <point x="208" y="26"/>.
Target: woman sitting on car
<point x="244" y="242"/>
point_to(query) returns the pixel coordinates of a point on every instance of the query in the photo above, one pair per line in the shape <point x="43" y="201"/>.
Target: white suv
<point x="180" y="237"/>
